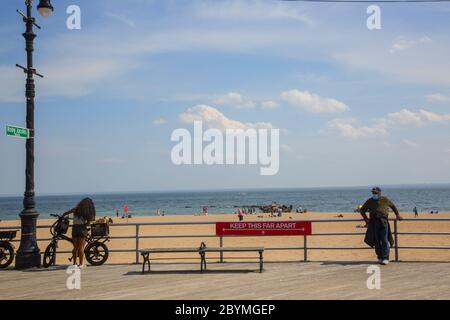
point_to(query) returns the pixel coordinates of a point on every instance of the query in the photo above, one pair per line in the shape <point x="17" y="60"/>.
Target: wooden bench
<point x="202" y="250"/>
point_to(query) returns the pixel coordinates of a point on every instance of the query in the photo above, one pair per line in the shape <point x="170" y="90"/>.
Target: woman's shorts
<point x="79" y="231"/>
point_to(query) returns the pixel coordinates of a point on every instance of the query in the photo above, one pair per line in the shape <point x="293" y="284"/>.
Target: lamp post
<point x="28" y="254"/>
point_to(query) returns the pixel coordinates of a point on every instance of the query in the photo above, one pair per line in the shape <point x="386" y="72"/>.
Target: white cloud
<point x="75" y="77"/>
<point x="213" y="118"/>
<point x="349" y="128"/>
<point x="121" y="18"/>
<point x="234" y="99"/>
<point x="12" y="88"/>
<point x="82" y="50"/>
<point x="269" y="104"/>
<point x="404" y="44"/>
<point x="423" y="63"/>
<point x="254" y="11"/>
<point x="110" y="161"/>
<point x="314" y="103"/>
<point x="159" y="121"/>
<point x="404" y="117"/>
<point x="428" y="116"/>
<point x="422" y="117"/>
<point x="437" y="97"/>
<point x="285" y="148"/>
<point x="410" y="143"/>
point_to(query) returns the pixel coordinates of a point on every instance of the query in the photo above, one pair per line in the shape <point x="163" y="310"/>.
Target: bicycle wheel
<point x="6" y="255"/>
<point x="49" y="255"/>
<point x="96" y="253"/>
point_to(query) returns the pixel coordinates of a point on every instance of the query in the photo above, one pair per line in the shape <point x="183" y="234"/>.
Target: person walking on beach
<point x="378" y="233"/>
<point x="416" y="212"/>
<point x="240" y="214"/>
<point x="83" y="213"/>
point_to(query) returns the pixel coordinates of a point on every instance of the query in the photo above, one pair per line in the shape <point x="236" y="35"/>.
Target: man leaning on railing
<point x="379" y="233"/>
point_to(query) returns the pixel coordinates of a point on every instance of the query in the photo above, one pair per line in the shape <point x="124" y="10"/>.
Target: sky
<point x="354" y="106"/>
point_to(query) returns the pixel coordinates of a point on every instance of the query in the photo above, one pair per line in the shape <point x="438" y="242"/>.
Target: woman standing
<point x="83" y="213"/>
<point x="240" y="214"/>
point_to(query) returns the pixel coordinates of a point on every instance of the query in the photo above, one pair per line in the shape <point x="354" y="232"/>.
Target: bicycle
<point x="6" y="248"/>
<point x="96" y="251"/>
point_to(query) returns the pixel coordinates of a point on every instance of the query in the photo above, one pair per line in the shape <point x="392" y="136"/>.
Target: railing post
<point x="396" y="239"/>
<point x="137" y="243"/>
<point x="221" y="246"/>
<point x="305" y="248"/>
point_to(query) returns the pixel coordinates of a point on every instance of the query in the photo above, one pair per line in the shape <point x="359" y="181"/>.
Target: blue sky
<point x="355" y="106"/>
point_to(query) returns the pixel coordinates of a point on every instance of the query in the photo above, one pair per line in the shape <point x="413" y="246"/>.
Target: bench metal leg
<point x="261" y="262"/>
<point x="202" y="262"/>
<point x="146" y="258"/>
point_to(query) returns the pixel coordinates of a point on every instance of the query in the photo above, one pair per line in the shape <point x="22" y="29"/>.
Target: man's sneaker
<point x="384" y="262"/>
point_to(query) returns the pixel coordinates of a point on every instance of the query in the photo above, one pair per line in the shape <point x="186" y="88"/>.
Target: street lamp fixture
<point x="45" y="8"/>
<point x="29" y="255"/>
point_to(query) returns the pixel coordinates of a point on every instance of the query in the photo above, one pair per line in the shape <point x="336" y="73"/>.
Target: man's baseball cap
<point x="376" y="190"/>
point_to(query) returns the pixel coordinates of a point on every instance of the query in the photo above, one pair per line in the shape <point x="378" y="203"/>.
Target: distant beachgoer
<point x="280" y="212"/>
<point x="117" y="213"/>
<point x="240" y="214"/>
<point x="378" y="232"/>
<point x="158" y="212"/>
<point x="416" y="212"/>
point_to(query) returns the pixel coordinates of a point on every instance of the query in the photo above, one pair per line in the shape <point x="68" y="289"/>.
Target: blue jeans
<point x="382" y="245"/>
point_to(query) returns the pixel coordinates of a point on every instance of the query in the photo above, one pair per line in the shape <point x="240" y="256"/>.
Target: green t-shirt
<point x="379" y="207"/>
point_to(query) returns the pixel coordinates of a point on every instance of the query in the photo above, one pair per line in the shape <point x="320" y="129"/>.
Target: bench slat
<point x="229" y="249"/>
<point x="168" y="250"/>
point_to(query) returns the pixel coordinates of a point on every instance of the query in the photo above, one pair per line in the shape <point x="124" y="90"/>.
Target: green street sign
<point x="18" y="132"/>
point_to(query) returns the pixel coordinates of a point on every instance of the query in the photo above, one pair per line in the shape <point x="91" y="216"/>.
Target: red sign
<point x="264" y="228"/>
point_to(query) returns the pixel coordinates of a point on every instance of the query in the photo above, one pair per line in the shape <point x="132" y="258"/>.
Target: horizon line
<point x="404" y="185"/>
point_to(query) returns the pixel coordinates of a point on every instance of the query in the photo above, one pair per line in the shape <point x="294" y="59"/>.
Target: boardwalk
<point x="314" y="280"/>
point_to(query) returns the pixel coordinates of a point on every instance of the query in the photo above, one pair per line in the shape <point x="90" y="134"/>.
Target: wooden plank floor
<point x="313" y="280"/>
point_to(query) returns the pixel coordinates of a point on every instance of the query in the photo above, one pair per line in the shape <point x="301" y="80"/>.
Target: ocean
<point x="181" y="203"/>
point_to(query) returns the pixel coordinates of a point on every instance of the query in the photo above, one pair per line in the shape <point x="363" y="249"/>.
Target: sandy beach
<point x="120" y="228"/>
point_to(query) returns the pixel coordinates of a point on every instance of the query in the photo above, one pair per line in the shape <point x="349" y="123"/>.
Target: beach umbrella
<point x="85" y="209"/>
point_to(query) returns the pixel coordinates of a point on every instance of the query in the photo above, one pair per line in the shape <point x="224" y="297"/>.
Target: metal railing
<point x="137" y="236"/>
